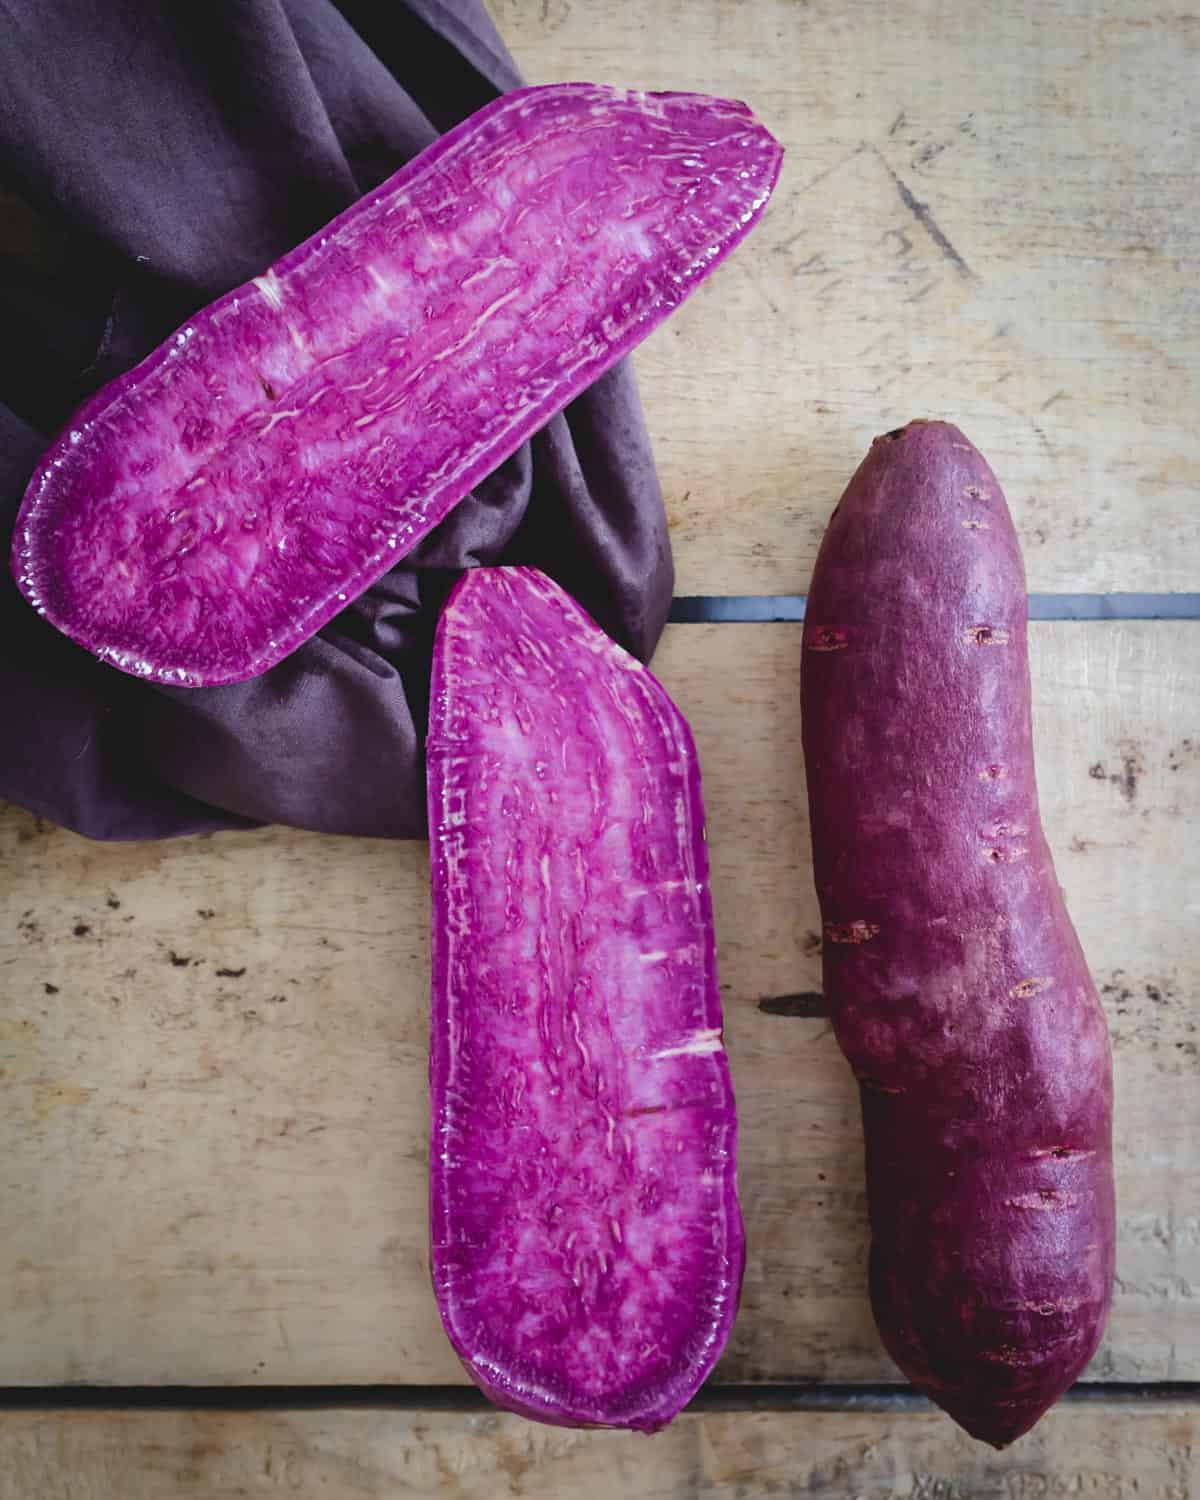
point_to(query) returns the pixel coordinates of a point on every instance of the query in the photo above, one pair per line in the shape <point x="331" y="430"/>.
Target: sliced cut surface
<point x="587" y="1243"/>
<point x="210" y="510"/>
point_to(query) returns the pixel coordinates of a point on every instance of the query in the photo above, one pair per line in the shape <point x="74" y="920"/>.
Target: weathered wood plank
<point x="1102" y="1450"/>
<point x="988" y="212"/>
<point x="213" y="1113"/>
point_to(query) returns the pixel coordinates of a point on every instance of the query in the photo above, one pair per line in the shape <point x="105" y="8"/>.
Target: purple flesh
<point x="959" y="992"/>
<point x="587" y="1244"/>
<point x="206" y="513"/>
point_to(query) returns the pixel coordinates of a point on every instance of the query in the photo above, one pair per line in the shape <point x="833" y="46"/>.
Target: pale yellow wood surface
<point x="1100" y="1451"/>
<point x="213" y="1103"/>
<point x="989" y="211"/>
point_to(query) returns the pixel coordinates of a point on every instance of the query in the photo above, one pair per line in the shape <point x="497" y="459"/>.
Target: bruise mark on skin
<point x="826" y="638"/>
<point x="985" y="635"/>
<point x="1044" y="1200"/>
<point x="874" y="1085"/>
<point x="851" y="932"/>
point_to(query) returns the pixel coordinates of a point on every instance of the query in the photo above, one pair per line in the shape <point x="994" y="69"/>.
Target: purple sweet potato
<point x="957" y="986"/>
<point x="587" y="1245"/>
<point x="206" y="513"/>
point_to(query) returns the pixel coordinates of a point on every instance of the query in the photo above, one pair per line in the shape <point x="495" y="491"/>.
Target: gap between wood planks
<point x="465" y="1398"/>
<point x="757" y="609"/>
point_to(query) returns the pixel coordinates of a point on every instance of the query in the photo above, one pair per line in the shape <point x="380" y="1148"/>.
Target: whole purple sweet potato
<point x="958" y="988"/>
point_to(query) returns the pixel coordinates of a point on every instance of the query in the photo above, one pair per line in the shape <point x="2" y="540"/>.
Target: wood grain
<point x="213" y="1112"/>
<point x="988" y="212"/>
<point x="1094" y="1450"/>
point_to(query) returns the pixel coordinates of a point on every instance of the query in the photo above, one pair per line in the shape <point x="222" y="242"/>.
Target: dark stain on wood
<point x="806" y="1003"/>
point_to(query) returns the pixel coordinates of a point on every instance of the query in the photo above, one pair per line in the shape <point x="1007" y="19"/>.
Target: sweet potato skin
<point x="959" y="992"/>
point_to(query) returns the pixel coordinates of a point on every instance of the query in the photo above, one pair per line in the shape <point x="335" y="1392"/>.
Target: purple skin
<point x="586" y="1241"/>
<point x="203" y="515"/>
<point x="959" y="992"/>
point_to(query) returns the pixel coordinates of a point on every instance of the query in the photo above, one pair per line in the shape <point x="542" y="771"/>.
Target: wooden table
<point x="214" y="1107"/>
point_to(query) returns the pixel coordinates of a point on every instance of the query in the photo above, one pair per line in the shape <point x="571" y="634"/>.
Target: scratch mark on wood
<point x="758" y="285"/>
<point x="1045" y="441"/>
<point x="898" y="372"/>
<point x="873" y="345"/>
<point x="785" y="245"/>
<point x="929" y="153"/>
<point x="902" y="239"/>
<point x="921" y="212"/>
